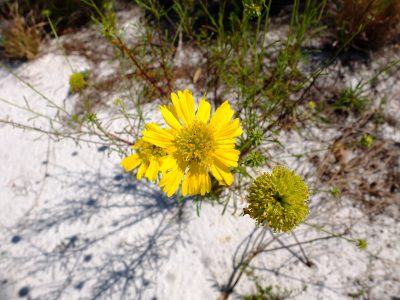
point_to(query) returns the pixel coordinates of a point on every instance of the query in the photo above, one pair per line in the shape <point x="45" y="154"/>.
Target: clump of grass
<point x="376" y="21"/>
<point x="22" y="36"/>
<point x="350" y="100"/>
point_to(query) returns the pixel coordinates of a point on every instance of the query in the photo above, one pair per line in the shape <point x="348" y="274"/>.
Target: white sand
<point x="74" y="226"/>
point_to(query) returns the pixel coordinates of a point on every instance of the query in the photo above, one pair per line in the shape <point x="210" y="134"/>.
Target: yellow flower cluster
<point x="194" y="145"/>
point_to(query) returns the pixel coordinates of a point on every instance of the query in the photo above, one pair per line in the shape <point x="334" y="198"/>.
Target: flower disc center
<point x="195" y="142"/>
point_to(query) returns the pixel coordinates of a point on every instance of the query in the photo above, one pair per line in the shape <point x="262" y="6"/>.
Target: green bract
<point x="278" y="199"/>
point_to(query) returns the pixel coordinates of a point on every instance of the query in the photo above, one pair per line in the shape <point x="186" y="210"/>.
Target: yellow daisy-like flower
<point x="195" y="144"/>
<point x="148" y="156"/>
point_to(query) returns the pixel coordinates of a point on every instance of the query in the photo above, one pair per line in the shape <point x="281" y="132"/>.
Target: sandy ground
<point x="74" y="226"/>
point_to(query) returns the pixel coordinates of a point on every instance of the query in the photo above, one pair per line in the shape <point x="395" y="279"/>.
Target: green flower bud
<point x="278" y="199"/>
<point x="46" y="13"/>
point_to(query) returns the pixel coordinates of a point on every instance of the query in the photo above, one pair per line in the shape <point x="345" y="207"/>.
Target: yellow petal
<point x="230" y="130"/>
<point x="227" y="157"/>
<point x="187" y="185"/>
<point x="203" y="111"/>
<point x="221" y="173"/>
<point x="189" y="104"/>
<point x="157" y="129"/>
<point x="178" y="106"/>
<point x="130" y="162"/>
<point x="205" y="186"/>
<point x="222" y="115"/>
<point x="157" y="136"/>
<point x="171" y="180"/>
<point x="169" y="118"/>
<point x="152" y="170"/>
<point x="225" y="143"/>
<point x="197" y="181"/>
<point x="190" y="184"/>
<point x="169" y="163"/>
<point x="141" y="171"/>
<point x="172" y="109"/>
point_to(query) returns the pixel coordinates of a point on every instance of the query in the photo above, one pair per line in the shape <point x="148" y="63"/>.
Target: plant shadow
<point x="105" y="239"/>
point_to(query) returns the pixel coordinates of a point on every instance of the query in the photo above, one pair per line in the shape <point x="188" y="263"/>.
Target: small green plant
<point x="77" y="82"/>
<point x="268" y="293"/>
<point x="362" y="244"/>
<point x="335" y="192"/>
<point x="350" y="100"/>
<point x="254" y="159"/>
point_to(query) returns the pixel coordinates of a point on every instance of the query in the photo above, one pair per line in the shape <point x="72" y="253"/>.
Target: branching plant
<point x="268" y="84"/>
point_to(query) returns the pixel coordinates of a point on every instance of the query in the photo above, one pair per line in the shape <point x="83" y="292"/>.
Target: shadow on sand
<point x="105" y="240"/>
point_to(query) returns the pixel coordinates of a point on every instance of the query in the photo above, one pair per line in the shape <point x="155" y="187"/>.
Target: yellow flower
<point x="195" y="144"/>
<point x="148" y="156"/>
<point x="311" y="105"/>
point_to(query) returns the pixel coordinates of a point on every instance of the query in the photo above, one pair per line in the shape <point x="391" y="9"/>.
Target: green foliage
<point x="91" y="117"/>
<point x="255" y="159"/>
<point x="268" y="293"/>
<point x="335" y="192"/>
<point x="253" y="8"/>
<point x="236" y="49"/>
<point x="350" y="100"/>
<point x="362" y="244"/>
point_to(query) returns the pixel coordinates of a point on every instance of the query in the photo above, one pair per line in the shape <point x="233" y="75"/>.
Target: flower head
<point x="195" y="144"/>
<point x="278" y="199"/>
<point x="148" y="156"/>
<point x="367" y="140"/>
<point x="77" y="82"/>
